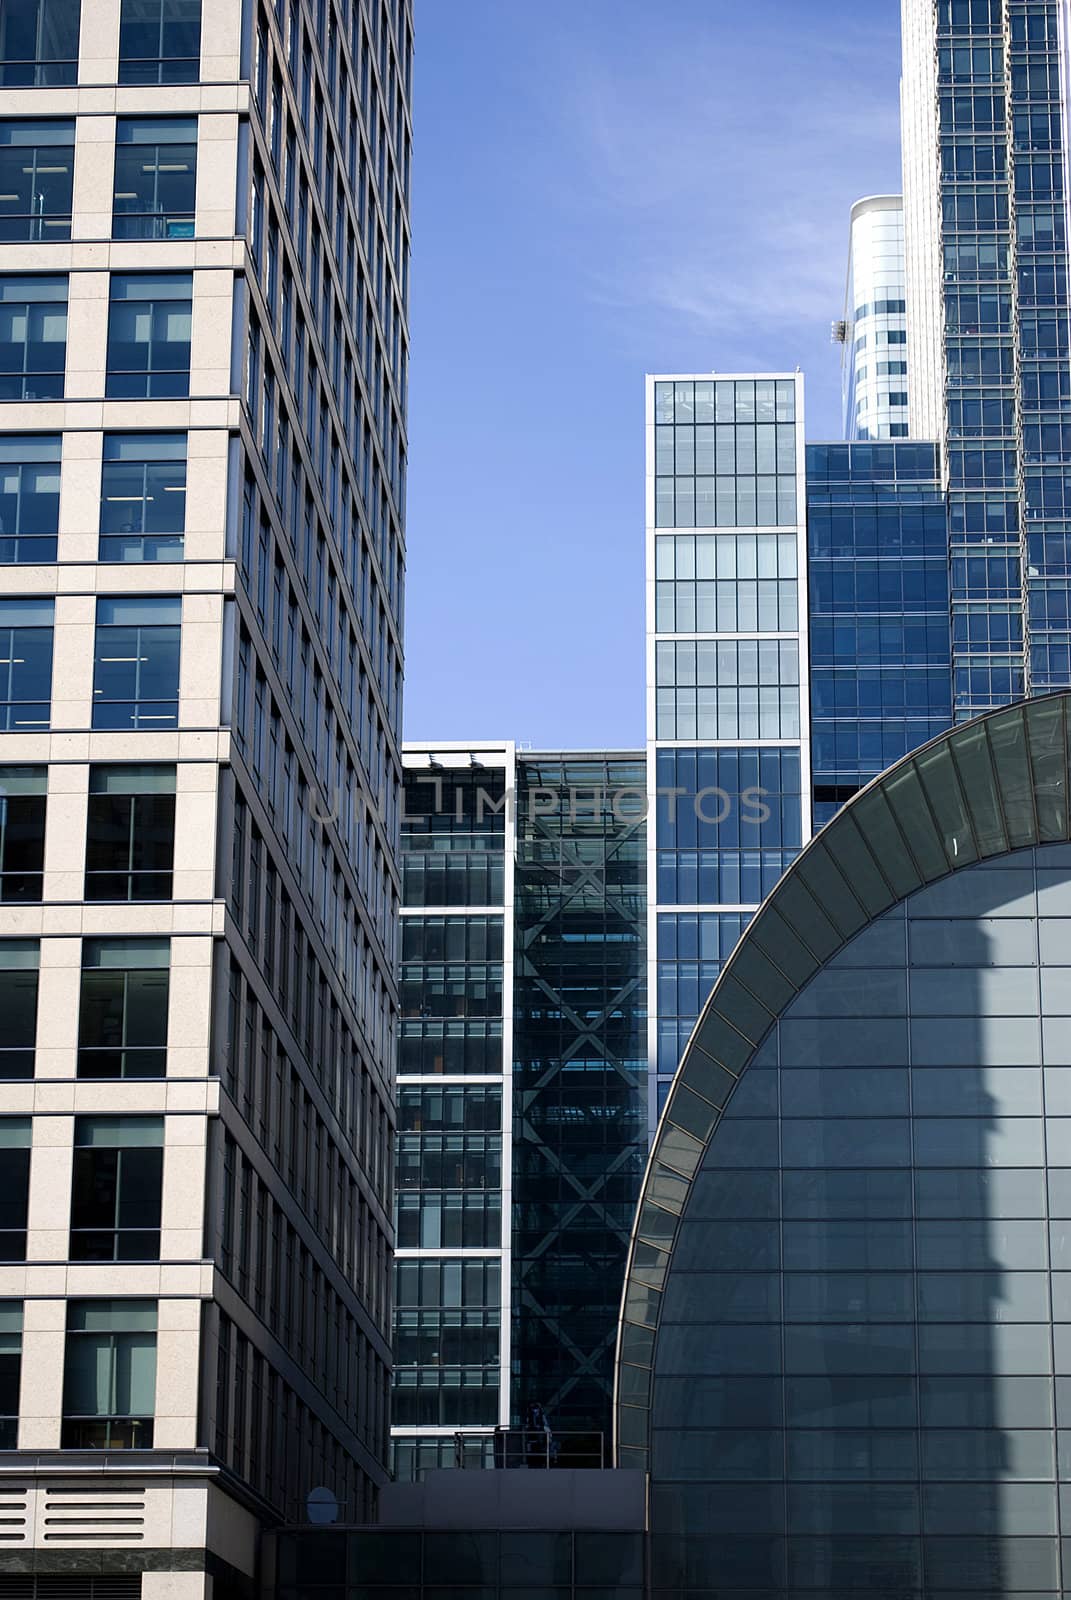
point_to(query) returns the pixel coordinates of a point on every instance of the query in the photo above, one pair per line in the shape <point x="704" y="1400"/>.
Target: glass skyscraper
<point x="729" y="771"/>
<point x="521" y="1093"/>
<point x="986" y="195"/>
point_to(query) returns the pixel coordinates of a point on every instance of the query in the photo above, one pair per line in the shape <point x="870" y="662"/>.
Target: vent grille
<point x="93" y="1514"/>
<point x="13" y="1513"/>
<point x="70" y="1586"/>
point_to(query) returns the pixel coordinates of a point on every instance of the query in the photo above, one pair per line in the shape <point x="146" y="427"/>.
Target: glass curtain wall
<point x="878" y="574"/>
<point x="728" y="764"/>
<point x="452" y="1100"/>
<point x="579" y="1108"/>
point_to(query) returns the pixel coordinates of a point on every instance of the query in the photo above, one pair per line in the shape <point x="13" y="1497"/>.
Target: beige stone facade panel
<point x="87" y="335"/>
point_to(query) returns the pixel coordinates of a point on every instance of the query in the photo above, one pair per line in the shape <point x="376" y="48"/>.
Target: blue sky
<point x="604" y="188"/>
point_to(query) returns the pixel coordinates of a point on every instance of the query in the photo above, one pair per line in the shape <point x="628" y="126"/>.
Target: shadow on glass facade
<point x="419" y="1564"/>
<point x="846" y="1346"/>
<point x="579" y="1065"/>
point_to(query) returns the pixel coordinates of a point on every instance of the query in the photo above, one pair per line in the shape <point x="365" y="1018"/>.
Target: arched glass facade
<point x="845" y="1353"/>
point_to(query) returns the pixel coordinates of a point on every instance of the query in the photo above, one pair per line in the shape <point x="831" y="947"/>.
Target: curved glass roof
<point x="997" y="784"/>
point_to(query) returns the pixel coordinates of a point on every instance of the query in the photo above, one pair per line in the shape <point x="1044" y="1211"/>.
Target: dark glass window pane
<point x="18" y="1029"/>
<point x="38" y="43"/>
<point x="36" y="175"/>
<point x="130" y="846"/>
<point x="122" y="1025"/>
<point x="160" y="41"/>
<point x="155" y="178"/>
<point x="22" y="846"/>
<point x="143" y="497"/>
<point x="10" y="1371"/>
<point x="115" y="1205"/>
<point x="136" y="664"/>
<point x="25" y="665"/>
<point x="33" y="337"/>
<point x="29" y="497"/>
<point x="149" y="336"/>
<point x="14" y="1199"/>
<point x="109" y="1379"/>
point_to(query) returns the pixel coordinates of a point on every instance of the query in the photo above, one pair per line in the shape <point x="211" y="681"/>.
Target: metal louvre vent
<point x="70" y="1586"/>
<point x="94" y="1513"/>
<point x="13" y="1504"/>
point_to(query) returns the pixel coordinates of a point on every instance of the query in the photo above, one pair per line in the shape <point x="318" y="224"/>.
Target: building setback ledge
<point x="565" y="1499"/>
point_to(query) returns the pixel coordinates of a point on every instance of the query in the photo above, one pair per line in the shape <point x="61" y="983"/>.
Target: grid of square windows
<point x="130" y="836"/>
<point x="725" y="453"/>
<point x="867" y="1299"/>
<point x="727" y="689"/>
<point x="726" y="583"/>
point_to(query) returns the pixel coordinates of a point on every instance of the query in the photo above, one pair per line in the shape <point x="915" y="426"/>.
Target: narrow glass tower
<point x="728" y="716"/>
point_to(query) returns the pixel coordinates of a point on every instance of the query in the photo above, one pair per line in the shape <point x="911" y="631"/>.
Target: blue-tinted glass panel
<point x="39" y="43"/>
<point x="143" y="497"/>
<point x="160" y="41"/>
<point x="33" y="337"/>
<point x="136" y="663"/>
<point x="36" y="178"/>
<point x="149" y="336"/>
<point x="25" y="665"/>
<point x="29" y="497"/>
<point x="155" y="177"/>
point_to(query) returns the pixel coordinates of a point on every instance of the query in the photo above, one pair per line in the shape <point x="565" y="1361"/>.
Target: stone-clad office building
<point x="203" y="289"/>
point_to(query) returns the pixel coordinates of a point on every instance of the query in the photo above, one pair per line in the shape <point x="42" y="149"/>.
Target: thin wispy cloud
<point x="604" y="188"/>
<point x="710" y="177"/>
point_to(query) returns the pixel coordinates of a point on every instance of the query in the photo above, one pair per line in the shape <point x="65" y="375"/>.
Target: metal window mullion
<point x="131" y="830"/>
<point x="150" y="369"/>
<point x="144" y="495"/>
<point x="155" y="179"/>
<point x="18" y="498"/>
<point x="123" y="1040"/>
<point x="9" y="675"/>
<point x="116" y="1199"/>
<point x="137" y="673"/>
